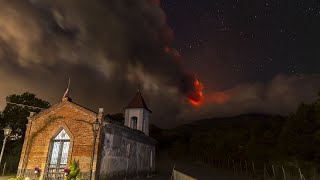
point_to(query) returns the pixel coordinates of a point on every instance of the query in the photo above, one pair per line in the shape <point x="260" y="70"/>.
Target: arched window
<point x="134" y="122"/>
<point x="58" y="155"/>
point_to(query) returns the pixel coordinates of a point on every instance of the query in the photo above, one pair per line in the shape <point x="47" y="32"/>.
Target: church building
<point x="103" y="149"/>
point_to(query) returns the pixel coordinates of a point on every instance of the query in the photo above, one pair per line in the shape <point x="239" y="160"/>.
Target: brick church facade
<point x="63" y="132"/>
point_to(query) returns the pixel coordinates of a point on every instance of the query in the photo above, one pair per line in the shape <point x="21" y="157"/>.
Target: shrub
<point x="17" y="178"/>
<point x="74" y="173"/>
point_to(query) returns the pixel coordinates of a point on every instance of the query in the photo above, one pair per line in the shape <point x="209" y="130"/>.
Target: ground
<point x="199" y="171"/>
<point x="6" y="177"/>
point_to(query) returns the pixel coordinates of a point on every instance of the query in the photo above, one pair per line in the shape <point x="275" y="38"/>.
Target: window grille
<point x="58" y="156"/>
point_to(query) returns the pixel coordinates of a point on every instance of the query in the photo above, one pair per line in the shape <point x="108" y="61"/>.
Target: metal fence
<point x="258" y="170"/>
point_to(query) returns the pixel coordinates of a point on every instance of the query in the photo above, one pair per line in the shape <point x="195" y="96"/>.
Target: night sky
<point x="227" y="42"/>
<point x="191" y="59"/>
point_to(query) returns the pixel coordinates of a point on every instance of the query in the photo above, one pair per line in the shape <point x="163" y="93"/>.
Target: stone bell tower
<point x="137" y="114"/>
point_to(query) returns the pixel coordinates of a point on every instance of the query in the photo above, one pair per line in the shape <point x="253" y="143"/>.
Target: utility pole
<point x="3" y="145"/>
<point x="95" y="128"/>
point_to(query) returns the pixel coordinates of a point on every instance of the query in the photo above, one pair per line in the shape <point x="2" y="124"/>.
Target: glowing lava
<point x="193" y="102"/>
<point x="196" y="97"/>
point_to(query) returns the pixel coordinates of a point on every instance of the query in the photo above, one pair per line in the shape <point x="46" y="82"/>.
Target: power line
<point x="23" y="105"/>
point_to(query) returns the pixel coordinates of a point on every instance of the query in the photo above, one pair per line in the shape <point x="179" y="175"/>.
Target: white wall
<point x="114" y="160"/>
<point x="146" y="116"/>
<point x="143" y="119"/>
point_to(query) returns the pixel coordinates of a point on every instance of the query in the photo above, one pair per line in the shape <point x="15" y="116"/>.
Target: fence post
<point x="284" y="173"/>
<point x="254" y="171"/>
<point x="215" y="161"/>
<point x="223" y="163"/>
<point x="273" y="171"/>
<point x="4" y="168"/>
<point x="234" y="168"/>
<point x="172" y="174"/>
<point x="301" y="175"/>
<point x="206" y="160"/>
<point x="264" y="171"/>
<point x="245" y="162"/>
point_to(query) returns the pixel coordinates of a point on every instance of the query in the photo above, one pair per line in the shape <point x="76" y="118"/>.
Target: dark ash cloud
<point x="109" y="48"/>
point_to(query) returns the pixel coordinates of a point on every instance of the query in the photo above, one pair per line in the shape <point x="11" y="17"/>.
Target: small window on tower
<point x="134" y="122"/>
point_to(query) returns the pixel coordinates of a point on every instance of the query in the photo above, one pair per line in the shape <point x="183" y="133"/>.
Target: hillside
<point x="293" y="141"/>
<point x="221" y="134"/>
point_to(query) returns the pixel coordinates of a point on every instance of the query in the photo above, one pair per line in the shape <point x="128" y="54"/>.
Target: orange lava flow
<point x="197" y="95"/>
<point x="194" y="103"/>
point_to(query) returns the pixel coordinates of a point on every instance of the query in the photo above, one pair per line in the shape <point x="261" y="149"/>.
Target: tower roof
<point x="138" y="102"/>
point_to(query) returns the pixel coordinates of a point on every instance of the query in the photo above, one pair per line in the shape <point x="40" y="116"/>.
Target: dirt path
<point x="6" y="177"/>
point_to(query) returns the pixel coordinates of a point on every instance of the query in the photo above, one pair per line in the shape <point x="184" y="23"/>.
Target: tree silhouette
<point x="16" y="116"/>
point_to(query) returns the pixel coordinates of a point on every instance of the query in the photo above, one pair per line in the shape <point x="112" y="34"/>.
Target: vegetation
<point x="292" y="140"/>
<point x="48" y="121"/>
<point x="16" y="117"/>
<point x="117" y="118"/>
<point x="74" y="173"/>
<point x="17" y="178"/>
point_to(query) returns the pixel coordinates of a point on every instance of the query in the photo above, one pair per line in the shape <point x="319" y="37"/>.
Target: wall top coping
<point x="56" y="106"/>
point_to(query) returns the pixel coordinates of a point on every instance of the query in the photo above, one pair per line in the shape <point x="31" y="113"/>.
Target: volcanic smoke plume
<point x="109" y="48"/>
<point x="118" y="41"/>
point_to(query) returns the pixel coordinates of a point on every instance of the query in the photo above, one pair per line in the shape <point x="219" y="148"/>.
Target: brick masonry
<point x="41" y="128"/>
<point x="112" y="158"/>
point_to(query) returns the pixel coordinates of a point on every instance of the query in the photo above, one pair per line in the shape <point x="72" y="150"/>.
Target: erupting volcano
<point x="196" y="97"/>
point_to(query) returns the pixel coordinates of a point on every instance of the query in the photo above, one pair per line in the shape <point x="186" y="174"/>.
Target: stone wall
<point x="125" y="152"/>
